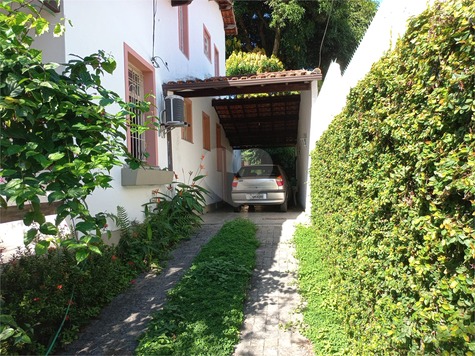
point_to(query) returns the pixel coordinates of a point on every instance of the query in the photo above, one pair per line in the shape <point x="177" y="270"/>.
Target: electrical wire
<point x="324" y="33"/>
<point x="154" y="57"/>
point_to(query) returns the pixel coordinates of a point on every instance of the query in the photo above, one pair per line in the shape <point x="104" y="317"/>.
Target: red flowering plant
<point x="136" y="247"/>
<point x="170" y="217"/>
<point x="36" y="292"/>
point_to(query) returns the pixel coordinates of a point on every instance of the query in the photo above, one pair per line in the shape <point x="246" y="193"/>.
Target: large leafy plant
<point x="57" y="139"/>
<point x="184" y="205"/>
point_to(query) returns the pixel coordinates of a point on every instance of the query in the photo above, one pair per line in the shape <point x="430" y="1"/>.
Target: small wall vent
<point x="174" y="110"/>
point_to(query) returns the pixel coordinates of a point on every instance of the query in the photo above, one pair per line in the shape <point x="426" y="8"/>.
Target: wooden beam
<point x="259" y="100"/>
<point x="235" y="90"/>
<point x="273" y="118"/>
<point x="15" y="214"/>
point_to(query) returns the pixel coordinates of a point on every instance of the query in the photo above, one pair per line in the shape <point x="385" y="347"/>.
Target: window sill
<point x="141" y="176"/>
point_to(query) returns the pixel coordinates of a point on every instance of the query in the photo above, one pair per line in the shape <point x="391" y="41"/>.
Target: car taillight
<point x="280" y="181"/>
<point x="235" y="182"/>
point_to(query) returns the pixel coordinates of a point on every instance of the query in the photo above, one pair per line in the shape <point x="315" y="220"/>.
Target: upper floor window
<point x="183" y="40"/>
<point x="206" y="43"/>
<point x="216" y="62"/>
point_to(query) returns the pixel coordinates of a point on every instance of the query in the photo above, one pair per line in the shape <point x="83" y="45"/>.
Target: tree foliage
<point x="293" y="30"/>
<point x="284" y="156"/>
<point x="57" y="139"/>
<point x="393" y="194"/>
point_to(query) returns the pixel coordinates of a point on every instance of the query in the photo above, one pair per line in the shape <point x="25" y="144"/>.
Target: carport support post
<point x="310" y="145"/>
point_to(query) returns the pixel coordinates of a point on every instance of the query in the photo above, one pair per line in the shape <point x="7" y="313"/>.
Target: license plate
<point x="256" y="196"/>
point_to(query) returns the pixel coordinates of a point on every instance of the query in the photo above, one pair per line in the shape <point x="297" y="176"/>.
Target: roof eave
<point x="214" y="86"/>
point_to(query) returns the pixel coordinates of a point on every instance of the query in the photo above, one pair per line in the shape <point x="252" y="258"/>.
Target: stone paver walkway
<point x="120" y="323"/>
<point x="273" y="299"/>
<point x="271" y="304"/>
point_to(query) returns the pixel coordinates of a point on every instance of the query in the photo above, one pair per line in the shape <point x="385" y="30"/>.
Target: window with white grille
<point x="206" y="42"/>
<point x="136" y="95"/>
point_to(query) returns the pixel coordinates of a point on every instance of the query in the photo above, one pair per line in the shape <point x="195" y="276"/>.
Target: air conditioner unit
<point x="174" y="110"/>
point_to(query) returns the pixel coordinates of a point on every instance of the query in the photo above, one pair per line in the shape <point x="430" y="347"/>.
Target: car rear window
<point x="258" y="171"/>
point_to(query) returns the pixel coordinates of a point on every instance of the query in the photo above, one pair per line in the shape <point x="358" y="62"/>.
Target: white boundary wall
<point x="389" y="24"/>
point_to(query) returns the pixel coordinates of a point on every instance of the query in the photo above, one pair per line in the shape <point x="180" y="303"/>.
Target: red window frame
<point x="183" y="30"/>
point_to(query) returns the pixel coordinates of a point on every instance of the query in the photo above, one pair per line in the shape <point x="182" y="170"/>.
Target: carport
<point x="282" y="119"/>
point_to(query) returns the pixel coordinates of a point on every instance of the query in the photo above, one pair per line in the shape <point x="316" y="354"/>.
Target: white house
<point x="177" y="47"/>
<point x="153" y="42"/>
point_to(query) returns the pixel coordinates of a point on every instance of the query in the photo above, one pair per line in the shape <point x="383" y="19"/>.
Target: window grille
<point x="206" y="43"/>
<point x="136" y="95"/>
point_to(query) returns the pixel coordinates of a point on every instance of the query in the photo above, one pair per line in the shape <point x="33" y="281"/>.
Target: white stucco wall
<point x="187" y="155"/>
<point x="306" y="121"/>
<point x="198" y="65"/>
<point x="389" y="24"/>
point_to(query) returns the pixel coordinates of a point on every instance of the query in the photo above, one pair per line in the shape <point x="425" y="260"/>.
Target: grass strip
<point x="324" y="324"/>
<point x="204" y="312"/>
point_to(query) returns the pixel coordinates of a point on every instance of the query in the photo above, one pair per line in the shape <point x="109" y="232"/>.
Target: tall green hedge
<point x="393" y="192"/>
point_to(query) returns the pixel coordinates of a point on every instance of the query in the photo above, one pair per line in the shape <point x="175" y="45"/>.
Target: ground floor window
<point x="136" y="95"/>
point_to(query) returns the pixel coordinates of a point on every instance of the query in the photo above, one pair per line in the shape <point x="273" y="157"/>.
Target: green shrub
<point x="393" y="192"/>
<point x="204" y="312"/>
<point x="243" y="63"/>
<point x="36" y="291"/>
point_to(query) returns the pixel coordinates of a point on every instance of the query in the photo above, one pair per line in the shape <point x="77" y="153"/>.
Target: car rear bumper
<point x="271" y="198"/>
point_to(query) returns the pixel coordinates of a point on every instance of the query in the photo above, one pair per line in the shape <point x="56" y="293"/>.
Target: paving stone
<point x="277" y="298"/>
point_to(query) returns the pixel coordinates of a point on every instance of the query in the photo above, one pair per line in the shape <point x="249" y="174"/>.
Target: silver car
<point x="264" y="184"/>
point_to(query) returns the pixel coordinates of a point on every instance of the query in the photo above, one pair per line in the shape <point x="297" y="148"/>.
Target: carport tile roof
<point x="270" y="121"/>
<point x="260" y="122"/>
<point x="265" y="75"/>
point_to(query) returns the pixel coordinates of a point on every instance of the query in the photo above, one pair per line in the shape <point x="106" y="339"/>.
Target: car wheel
<point x="237" y="209"/>
<point x="283" y="206"/>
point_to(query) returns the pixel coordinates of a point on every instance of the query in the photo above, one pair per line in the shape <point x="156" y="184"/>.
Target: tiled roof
<point x="253" y="122"/>
<point x="316" y="73"/>
<point x="291" y="80"/>
<point x="260" y="122"/>
<point x="227" y="12"/>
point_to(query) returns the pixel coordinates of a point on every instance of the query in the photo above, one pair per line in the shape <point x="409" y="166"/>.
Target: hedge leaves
<point x="393" y="192"/>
